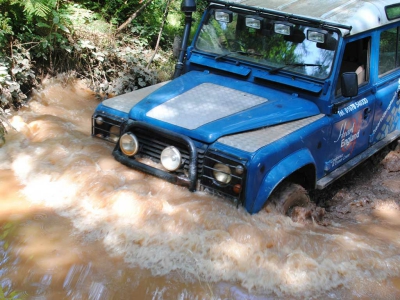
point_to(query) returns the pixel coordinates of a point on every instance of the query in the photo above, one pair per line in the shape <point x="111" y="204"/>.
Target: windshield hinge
<point x="326" y="86"/>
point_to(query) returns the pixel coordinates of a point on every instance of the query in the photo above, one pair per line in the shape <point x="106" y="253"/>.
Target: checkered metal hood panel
<point x="126" y="101"/>
<point x="203" y="104"/>
<point x="254" y="140"/>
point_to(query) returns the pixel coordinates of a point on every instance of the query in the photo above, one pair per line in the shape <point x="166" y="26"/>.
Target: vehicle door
<point x="387" y="85"/>
<point x="351" y="125"/>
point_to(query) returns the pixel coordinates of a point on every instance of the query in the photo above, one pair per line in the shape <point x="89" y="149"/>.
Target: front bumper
<point x="196" y="171"/>
<point x="153" y="140"/>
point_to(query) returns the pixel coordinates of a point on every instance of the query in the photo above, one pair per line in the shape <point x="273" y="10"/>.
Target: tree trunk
<point x="160" y="33"/>
<point x="133" y="16"/>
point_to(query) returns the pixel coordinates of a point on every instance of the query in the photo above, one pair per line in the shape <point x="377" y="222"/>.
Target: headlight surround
<point x="114" y="133"/>
<point x="129" y="144"/>
<point x="222" y="173"/>
<point x="171" y="158"/>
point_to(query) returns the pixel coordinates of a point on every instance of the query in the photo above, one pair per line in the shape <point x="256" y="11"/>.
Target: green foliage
<point x="38" y="26"/>
<point x="5" y="29"/>
<point x="146" y="25"/>
<point x="114" y="11"/>
<point x="51" y="36"/>
<point x="38" y="8"/>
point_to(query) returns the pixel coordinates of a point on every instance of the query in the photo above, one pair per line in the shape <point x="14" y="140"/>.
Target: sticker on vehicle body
<point x="348" y="135"/>
<point x="390" y="117"/>
<point x="352" y="107"/>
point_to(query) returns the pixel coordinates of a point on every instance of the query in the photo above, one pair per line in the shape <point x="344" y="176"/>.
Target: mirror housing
<point x="349" y="84"/>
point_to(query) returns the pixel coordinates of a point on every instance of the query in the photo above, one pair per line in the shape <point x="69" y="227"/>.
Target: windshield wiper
<point x="276" y="70"/>
<point x="217" y="58"/>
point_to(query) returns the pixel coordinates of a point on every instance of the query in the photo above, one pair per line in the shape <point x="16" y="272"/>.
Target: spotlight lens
<point x="222" y="173"/>
<point x="129" y="144"/>
<point x="171" y="158"/>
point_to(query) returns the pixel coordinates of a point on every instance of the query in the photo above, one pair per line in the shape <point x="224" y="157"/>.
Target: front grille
<point x="152" y="146"/>
<point x="197" y="163"/>
<point x="152" y="141"/>
<point x="109" y="130"/>
<point x="208" y="181"/>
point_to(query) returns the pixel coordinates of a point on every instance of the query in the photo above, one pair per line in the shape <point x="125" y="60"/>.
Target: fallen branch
<point x="160" y="33"/>
<point x="133" y="16"/>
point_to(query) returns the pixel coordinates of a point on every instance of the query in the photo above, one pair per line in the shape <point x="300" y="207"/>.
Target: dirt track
<point x="364" y="191"/>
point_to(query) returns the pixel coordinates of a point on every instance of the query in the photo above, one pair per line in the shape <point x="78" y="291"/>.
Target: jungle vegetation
<point x="115" y="45"/>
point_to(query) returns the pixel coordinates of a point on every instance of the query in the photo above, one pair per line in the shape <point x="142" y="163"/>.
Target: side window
<point x="389" y="52"/>
<point x="356" y="59"/>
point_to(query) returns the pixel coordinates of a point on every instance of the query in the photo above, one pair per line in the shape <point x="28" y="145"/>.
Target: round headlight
<point x="171" y="158"/>
<point x="99" y="121"/>
<point x="129" y="144"/>
<point x="114" y="133"/>
<point x="222" y="173"/>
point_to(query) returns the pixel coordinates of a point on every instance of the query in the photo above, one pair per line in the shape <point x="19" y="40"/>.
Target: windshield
<point x="291" y="51"/>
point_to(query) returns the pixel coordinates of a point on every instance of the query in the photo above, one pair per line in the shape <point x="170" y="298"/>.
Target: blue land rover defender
<point x="271" y="99"/>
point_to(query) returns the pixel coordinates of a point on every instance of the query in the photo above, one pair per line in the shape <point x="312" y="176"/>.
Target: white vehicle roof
<point x="361" y="15"/>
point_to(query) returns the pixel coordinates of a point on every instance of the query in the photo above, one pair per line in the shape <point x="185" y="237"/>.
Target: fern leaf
<point x="37" y="8"/>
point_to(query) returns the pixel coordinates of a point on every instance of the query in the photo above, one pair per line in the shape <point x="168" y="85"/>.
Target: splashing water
<point x="165" y="231"/>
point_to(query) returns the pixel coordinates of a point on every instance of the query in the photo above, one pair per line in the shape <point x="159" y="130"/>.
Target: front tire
<point x="286" y="197"/>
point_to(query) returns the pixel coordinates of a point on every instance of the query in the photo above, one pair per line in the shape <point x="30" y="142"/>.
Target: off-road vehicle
<point x="277" y="95"/>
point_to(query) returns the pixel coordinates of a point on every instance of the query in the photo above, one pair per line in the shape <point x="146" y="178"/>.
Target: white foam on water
<point x="165" y="228"/>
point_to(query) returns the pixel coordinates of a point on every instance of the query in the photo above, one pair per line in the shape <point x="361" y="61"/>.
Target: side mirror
<point x="188" y="6"/>
<point x="349" y="84"/>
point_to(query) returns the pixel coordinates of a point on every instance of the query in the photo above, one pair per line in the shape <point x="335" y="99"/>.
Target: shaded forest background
<point x="115" y="45"/>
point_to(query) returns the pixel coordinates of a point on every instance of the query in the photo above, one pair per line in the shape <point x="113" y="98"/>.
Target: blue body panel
<point x="289" y="164"/>
<point x="280" y="107"/>
<point x="273" y="163"/>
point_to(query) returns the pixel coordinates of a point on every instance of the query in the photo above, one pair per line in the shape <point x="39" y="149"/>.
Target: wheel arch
<point x="298" y="167"/>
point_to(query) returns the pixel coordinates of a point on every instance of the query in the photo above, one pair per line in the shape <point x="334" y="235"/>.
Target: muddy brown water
<point x="78" y="225"/>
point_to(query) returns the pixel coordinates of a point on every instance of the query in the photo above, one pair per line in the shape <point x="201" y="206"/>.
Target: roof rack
<point x="286" y="16"/>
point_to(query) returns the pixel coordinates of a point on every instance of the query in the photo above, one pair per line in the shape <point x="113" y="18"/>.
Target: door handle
<point x="367" y="111"/>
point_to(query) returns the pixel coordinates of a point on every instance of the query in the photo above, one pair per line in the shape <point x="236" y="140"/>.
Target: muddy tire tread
<point x="287" y="196"/>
